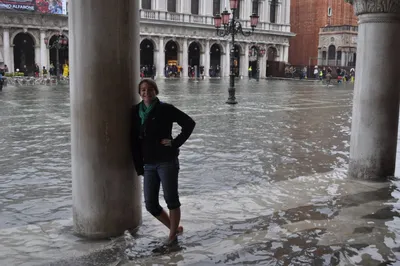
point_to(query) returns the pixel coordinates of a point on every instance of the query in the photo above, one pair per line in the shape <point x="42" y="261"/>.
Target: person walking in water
<point x="155" y="153"/>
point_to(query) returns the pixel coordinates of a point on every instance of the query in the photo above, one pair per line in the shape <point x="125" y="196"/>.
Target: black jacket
<point x="146" y="139"/>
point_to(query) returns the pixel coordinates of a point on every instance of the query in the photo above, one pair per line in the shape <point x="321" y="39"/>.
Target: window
<point x="329" y="11"/>
<point x="146" y="4"/>
<point x="332" y="52"/>
<point x="237" y="11"/>
<point x="272" y="14"/>
<point x="216" y="7"/>
<point x="171" y="7"/>
<point x="255" y="6"/>
<point x="195" y="7"/>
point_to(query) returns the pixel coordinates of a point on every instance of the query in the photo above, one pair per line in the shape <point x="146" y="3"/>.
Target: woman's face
<point x="147" y="93"/>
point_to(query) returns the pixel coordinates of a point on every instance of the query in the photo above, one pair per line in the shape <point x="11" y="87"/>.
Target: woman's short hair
<point x="151" y="83"/>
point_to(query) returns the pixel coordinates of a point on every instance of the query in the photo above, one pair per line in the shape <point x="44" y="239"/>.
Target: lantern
<point x="254" y="20"/>
<point x="225" y="17"/>
<point x="234" y="4"/>
<point x="217" y="21"/>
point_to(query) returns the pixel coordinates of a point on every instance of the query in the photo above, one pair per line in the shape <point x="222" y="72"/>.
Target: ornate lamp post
<point x="226" y="26"/>
<point x="60" y="43"/>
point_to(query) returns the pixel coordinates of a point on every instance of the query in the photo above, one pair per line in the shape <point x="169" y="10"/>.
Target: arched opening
<point x="62" y="55"/>
<point x="272" y="65"/>
<point x="236" y="60"/>
<point x="147" y="68"/>
<point x="24" y="53"/>
<point x="331" y="55"/>
<point x="194" y="59"/>
<point x="215" y="60"/>
<point x="253" y="61"/>
<point x="171" y="59"/>
<point x="339" y="58"/>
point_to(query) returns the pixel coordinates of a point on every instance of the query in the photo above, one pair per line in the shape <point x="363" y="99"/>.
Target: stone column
<point x="376" y="96"/>
<point x="287" y="12"/>
<point x="185" y="59"/>
<point x="43" y="51"/>
<point x="245" y="63"/>
<point x="38" y="59"/>
<point x="208" y="59"/>
<point x="161" y="59"/>
<point x="285" y="57"/>
<point x="263" y="65"/>
<point x="344" y="57"/>
<point x="106" y="191"/>
<point x="6" y="49"/>
<point x="227" y="60"/>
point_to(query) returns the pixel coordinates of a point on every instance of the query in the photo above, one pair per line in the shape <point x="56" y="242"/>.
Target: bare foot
<point x="179" y="231"/>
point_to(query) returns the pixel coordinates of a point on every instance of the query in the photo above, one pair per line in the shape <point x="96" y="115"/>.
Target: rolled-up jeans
<point x="165" y="173"/>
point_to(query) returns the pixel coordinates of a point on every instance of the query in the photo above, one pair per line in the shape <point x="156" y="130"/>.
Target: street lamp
<point x="60" y="43"/>
<point x="227" y="25"/>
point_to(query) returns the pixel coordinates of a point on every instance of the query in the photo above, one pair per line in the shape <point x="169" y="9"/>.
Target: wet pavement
<point x="262" y="182"/>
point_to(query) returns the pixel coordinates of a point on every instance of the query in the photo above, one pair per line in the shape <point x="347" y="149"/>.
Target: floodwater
<point x="262" y="182"/>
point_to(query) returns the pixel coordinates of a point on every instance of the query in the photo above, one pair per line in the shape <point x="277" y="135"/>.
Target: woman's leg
<point x="168" y="173"/>
<point x="151" y="189"/>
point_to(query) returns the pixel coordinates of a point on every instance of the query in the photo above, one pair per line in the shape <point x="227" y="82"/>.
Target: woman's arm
<point x="185" y="122"/>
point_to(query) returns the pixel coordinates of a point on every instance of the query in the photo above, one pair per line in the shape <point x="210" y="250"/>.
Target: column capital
<point x="376" y="6"/>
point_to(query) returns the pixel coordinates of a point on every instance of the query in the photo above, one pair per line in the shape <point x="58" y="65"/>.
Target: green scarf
<point x="144" y="110"/>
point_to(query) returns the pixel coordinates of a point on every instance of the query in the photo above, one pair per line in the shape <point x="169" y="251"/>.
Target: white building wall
<point x="160" y="26"/>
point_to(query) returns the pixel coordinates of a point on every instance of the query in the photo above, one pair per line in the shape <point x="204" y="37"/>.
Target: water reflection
<point x="262" y="182"/>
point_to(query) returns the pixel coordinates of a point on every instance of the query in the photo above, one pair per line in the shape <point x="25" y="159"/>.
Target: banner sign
<point x="49" y="6"/>
<point x="40" y="6"/>
<point x="20" y="5"/>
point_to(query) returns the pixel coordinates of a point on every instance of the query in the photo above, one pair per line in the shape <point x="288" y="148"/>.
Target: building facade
<point x="173" y="32"/>
<point x="326" y="33"/>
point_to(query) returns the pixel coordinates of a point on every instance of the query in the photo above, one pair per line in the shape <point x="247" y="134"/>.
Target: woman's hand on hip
<point x="166" y="142"/>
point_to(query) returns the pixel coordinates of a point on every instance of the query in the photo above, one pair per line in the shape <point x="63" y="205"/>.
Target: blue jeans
<point x="165" y="173"/>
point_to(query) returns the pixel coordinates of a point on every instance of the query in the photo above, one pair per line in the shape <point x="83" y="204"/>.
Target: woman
<point x="155" y="153"/>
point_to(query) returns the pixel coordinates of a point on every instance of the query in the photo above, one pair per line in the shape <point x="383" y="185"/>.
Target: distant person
<point x="155" y="153"/>
<point x="5" y="69"/>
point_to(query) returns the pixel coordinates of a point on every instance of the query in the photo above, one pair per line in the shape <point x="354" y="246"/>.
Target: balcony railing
<point x="339" y="28"/>
<point x="205" y="20"/>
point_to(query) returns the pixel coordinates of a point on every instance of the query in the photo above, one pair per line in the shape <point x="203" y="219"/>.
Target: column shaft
<point x="245" y="63"/>
<point x="376" y="96"/>
<point x="208" y="59"/>
<point x="43" y="51"/>
<point x="263" y="66"/>
<point x="161" y="59"/>
<point x="6" y="49"/>
<point x="105" y="189"/>
<point x="227" y="61"/>
<point x="185" y="59"/>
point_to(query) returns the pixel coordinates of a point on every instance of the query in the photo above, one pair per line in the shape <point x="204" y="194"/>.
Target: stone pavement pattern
<point x="263" y="181"/>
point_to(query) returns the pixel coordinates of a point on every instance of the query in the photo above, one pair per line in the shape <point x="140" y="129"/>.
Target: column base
<point x="232" y="98"/>
<point x="368" y="170"/>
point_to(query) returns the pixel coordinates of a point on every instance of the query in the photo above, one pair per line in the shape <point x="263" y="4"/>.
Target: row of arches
<point x="24" y="53"/>
<point x="333" y="56"/>
<point x="195" y="49"/>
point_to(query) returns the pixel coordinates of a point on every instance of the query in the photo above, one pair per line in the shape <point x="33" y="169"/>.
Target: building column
<point x="6" y="49"/>
<point x="160" y="55"/>
<point x="43" y="51"/>
<point x="208" y="59"/>
<point x="344" y="58"/>
<point x="285" y="53"/>
<point x="263" y="65"/>
<point x="376" y="96"/>
<point x="287" y="12"/>
<point x="227" y="60"/>
<point x="245" y="63"/>
<point x="185" y="59"/>
<point x="106" y="191"/>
